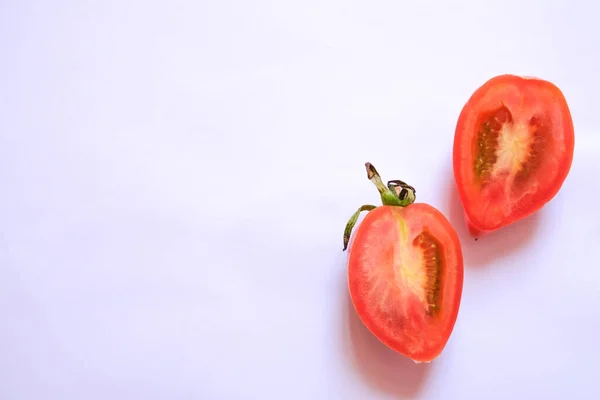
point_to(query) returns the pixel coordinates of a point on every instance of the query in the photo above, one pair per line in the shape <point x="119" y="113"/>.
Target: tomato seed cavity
<point x="540" y="131"/>
<point x="433" y="264"/>
<point x="487" y="143"/>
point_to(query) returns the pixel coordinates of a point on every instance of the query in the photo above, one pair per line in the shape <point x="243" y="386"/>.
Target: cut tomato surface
<point x="513" y="149"/>
<point x="405" y="274"/>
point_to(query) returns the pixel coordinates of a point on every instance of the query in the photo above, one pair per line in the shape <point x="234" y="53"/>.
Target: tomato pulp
<point x="405" y="272"/>
<point x="513" y="149"/>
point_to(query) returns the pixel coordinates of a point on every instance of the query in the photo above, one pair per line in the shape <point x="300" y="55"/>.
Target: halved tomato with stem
<point x="405" y="271"/>
<point x="513" y="149"/>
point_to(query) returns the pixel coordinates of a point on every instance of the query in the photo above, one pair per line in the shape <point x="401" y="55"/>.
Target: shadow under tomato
<point x="478" y="251"/>
<point x="384" y="369"/>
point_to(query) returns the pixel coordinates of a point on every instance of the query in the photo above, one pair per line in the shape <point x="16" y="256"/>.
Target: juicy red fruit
<point x="405" y="272"/>
<point x="405" y="278"/>
<point x="513" y="149"/>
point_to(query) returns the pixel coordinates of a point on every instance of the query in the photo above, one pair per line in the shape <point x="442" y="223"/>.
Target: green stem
<point x="352" y="222"/>
<point x="397" y="193"/>
<point x="406" y="193"/>
<point x="374" y="177"/>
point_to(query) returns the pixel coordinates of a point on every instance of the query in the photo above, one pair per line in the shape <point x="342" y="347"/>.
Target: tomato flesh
<point x="406" y="277"/>
<point x="513" y="149"/>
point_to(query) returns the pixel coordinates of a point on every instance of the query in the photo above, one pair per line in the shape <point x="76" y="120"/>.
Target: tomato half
<point x="405" y="276"/>
<point x="513" y="149"/>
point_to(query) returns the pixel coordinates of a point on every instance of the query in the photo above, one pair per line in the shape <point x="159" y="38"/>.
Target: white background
<point x="176" y="176"/>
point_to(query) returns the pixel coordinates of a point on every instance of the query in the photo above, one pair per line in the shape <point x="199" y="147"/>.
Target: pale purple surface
<point x="176" y="177"/>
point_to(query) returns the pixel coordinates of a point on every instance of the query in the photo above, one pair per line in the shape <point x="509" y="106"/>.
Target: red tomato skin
<point x="548" y="94"/>
<point x="374" y="239"/>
